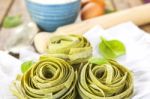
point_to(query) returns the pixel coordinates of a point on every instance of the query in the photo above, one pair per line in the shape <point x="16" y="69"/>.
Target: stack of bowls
<point x="51" y="16"/>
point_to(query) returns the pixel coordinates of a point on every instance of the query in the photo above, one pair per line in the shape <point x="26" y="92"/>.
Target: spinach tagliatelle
<point x="73" y="48"/>
<point x="53" y="75"/>
<point x="106" y="81"/>
<point x="49" y="78"/>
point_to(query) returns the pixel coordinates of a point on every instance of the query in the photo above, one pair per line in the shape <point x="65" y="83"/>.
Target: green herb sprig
<point x="110" y="49"/>
<point x="12" y="21"/>
<point x="26" y="65"/>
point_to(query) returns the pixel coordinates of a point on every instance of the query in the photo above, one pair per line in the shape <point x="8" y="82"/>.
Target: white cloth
<point x="137" y="57"/>
<point x="9" y="68"/>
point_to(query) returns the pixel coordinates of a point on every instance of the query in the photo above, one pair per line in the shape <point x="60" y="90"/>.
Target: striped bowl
<point x="51" y="16"/>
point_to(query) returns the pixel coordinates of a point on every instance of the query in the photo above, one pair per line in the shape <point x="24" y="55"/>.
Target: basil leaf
<point x="98" y="61"/>
<point x="111" y="48"/>
<point x="107" y="11"/>
<point x="118" y="47"/>
<point x="26" y="65"/>
<point x="12" y="21"/>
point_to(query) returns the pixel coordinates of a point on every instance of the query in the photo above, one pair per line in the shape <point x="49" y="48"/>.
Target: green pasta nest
<point x="73" y="48"/>
<point x="107" y="81"/>
<point x="49" y="78"/>
<point x="53" y="75"/>
<point x="53" y="78"/>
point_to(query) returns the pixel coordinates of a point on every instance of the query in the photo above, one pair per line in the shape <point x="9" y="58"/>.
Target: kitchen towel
<point x="137" y="57"/>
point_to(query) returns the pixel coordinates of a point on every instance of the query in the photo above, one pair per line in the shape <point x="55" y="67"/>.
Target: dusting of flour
<point x="52" y="1"/>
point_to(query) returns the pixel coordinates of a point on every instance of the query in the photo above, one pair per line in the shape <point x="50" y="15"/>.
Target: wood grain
<point x="5" y="5"/>
<point x="121" y="4"/>
<point x="18" y="8"/>
<point x="133" y="3"/>
<point x="146" y="28"/>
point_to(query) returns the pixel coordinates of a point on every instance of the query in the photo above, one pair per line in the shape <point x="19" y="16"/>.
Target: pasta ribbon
<point x="107" y="81"/>
<point x="73" y="48"/>
<point x="49" y="78"/>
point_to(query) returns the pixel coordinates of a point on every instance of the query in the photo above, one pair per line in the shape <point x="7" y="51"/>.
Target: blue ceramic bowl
<point x="50" y="16"/>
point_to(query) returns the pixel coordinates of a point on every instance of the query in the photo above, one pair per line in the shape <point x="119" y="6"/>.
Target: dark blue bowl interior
<point x="49" y="17"/>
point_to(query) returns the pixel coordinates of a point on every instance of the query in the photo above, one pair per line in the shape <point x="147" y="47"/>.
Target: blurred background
<point x="15" y="13"/>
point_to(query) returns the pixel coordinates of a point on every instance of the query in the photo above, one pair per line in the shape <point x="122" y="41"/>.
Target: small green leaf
<point x="118" y="47"/>
<point x="26" y="65"/>
<point x="12" y="21"/>
<point x="111" y="48"/>
<point x="98" y="61"/>
<point x="107" y="11"/>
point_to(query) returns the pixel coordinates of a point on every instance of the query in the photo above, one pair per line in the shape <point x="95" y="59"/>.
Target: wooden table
<point x="17" y="7"/>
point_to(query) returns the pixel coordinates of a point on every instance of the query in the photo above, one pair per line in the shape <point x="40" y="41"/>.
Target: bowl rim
<point x="49" y="4"/>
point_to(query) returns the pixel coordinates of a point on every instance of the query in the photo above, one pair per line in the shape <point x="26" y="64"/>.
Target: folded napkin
<point x="137" y="57"/>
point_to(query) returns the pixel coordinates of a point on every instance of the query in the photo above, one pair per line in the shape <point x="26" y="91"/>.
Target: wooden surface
<point x="4" y="8"/>
<point x="17" y="7"/>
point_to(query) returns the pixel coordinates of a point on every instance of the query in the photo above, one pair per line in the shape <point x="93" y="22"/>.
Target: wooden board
<point x="121" y="4"/>
<point x="146" y="28"/>
<point x="133" y="3"/>
<point x="5" y="5"/>
<point x="17" y="8"/>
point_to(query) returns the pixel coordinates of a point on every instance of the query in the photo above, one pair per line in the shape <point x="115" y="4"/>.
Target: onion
<point x="91" y="10"/>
